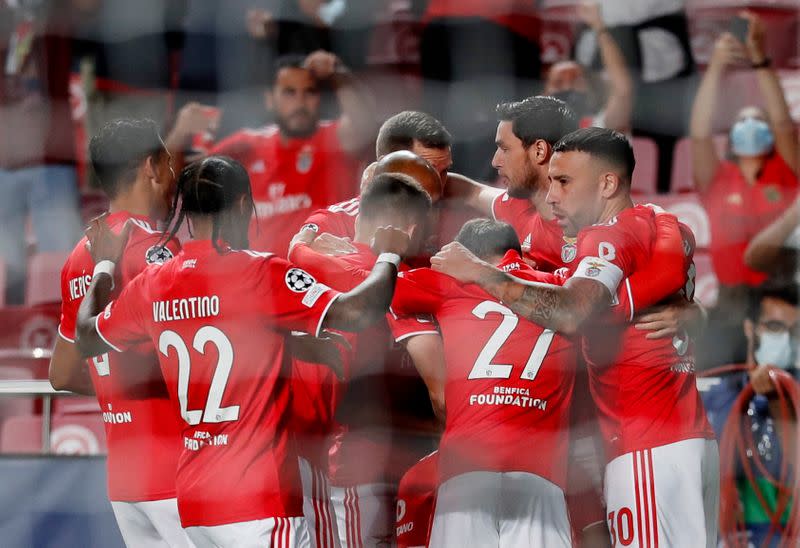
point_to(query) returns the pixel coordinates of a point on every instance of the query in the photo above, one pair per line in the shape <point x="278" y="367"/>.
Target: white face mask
<point x="776" y="349"/>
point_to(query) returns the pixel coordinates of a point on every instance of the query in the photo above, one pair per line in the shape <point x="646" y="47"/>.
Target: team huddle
<point x="296" y="401"/>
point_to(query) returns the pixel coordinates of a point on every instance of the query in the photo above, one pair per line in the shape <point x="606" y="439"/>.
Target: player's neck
<point x="539" y="201"/>
<point x="202" y="229"/>
<point x="132" y="202"/>
<point x="615" y="207"/>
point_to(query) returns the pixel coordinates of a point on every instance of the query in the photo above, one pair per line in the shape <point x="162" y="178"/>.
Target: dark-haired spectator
<point x="37" y="150"/>
<point x="770" y="330"/>
<point x="584" y="93"/>
<point x="300" y="163"/>
<point x="746" y="192"/>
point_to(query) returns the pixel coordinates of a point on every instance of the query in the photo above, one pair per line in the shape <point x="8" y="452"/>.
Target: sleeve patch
<point x="299" y="280"/>
<point x="157" y="254"/>
<point x="605" y="272"/>
<point x="312" y="295"/>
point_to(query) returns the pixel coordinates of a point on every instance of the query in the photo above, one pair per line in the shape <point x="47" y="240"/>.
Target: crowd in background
<point x="204" y="70"/>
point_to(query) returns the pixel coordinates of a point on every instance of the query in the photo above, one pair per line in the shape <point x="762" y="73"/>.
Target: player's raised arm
<point x="106" y="250"/>
<point x="368" y="302"/>
<point x="560" y="308"/>
<point x="472" y="193"/>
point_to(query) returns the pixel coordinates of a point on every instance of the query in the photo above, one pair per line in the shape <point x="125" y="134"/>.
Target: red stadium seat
<point x="645" y="176"/>
<point x="682" y="180"/>
<point x="15" y="406"/>
<point x="35" y="362"/>
<point x="23" y="327"/>
<point x="2" y="282"/>
<point x="70" y="435"/>
<point x="689" y="209"/>
<point x="44" y="278"/>
<point x="706" y="283"/>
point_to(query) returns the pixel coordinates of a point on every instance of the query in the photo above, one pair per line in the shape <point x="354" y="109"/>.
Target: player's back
<point x="141" y="430"/>
<point x="338" y="219"/>
<point x="508" y="381"/>
<point x="219" y="321"/>
<point x="645" y="389"/>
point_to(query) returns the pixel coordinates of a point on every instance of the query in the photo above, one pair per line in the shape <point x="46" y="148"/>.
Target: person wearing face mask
<point x="771" y="333"/>
<point x="747" y="190"/>
<point x="569" y="81"/>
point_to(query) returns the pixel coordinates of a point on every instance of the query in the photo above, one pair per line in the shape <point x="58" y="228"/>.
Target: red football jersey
<point x="542" y="241"/>
<point x="644" y="389"/>
<point x="416" y="498"/>
<point x="338" y="219"/>
<point x="142" y="433"/>
<point x="507" y="379"/>
<point x="290" y="178"/>
<point x="218" y="321"/>
<point x="381" y="386"/>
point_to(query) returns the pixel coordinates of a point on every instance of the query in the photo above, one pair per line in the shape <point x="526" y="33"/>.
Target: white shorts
<point x="500" y="509"/>
<point x="261" y="533"/>
<point x="664" y="496"/>
<point x="365" y="514"/>
<point x="150" y="523"/>
<point x="317" y="506"/>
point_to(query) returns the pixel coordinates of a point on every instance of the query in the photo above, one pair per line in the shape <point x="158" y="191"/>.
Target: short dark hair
<point x="394" y="192"/>
<point x="401" y="130"/>
<point x="207" y="188"/>
<point x="606" y="144"/>
<point x="289" y="60"/>
<point x="119" y="148"/>
<point x="538" y="117"/>
<point x="487" y="238"/>
<point x="771" y="290"/>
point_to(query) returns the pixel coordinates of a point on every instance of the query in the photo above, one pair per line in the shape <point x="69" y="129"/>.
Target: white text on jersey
<point x="78" y="286"/>
<point x="185" y="309"/>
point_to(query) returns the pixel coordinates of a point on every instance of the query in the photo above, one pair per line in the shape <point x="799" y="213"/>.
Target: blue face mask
<point x="751" y="137"/>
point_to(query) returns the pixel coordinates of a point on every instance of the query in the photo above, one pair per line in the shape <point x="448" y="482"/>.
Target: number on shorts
<point x="101" y="365"/>
<point x="484" y="368"/>
<point x="624" y="527"/>
<point x="212" y="413"/>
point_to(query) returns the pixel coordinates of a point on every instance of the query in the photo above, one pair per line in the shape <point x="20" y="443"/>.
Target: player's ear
<point x="540" y="151"/>
<point x="151" y="169"/>
<point x="609" y="184"/>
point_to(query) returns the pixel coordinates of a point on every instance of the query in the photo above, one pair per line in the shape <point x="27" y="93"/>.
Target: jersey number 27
<point x="484" y="368"/>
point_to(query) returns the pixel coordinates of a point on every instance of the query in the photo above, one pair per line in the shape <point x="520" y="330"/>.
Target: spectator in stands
<point x="475" y="54"/>
<point x="570" y="82"/>
<point x="301" y="163"/>
<point x="37" y="150"/>
<point x="771" y="330"/>
<point x="774" y="250"/>
<point x="744" y="193"/>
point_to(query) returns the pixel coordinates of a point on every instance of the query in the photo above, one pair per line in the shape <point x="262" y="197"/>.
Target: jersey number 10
<point x="484" y="368"/>
<point x="212" y="413"/>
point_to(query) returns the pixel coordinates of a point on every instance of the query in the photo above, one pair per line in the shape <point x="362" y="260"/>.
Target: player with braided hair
<point x="218" y="315"/>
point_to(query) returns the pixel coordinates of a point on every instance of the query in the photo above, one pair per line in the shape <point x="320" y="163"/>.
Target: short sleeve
<point x="604" y="256"/>
<point x="292" y="298"/>
<point x="420" y="291"/>
<point x="513" y="211"/>
<point x="405" y="327"/>
<point x="125" y="321"/>
<point x="335" y="272"/>
<point x="69" y="308"/>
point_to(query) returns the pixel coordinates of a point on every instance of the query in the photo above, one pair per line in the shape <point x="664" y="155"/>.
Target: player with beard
<point x="662" y="478"/>
<point x="300" y="163"/>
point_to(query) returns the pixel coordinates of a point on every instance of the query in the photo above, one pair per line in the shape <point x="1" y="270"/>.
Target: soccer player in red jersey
<point x="133" y="168"/>
<point x="661" y="482"/>
<point x="503" y="455"/>
<point x="416" y="498"/>
<point x="299" y="164"/>
<point x="219" y="317"/>
<point x="372" y="446"/>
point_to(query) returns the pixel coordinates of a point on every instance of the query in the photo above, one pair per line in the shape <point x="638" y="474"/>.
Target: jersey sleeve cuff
<point x="322" y="316"/>
<point x="105" y="340"/>
<point x="406" y="336"/>
<point x="61" y="334"/>
<point x="600" y="270"/>
<point x="494" y="205"/>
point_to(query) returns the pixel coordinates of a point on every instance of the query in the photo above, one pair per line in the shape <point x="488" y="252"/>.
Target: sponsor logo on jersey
<point x="305" y="159"/>
<point x="299" y="280"/>
<point x="526" y="244"/>
<point x="311" y="226"/>
<point x="568" y="253"/>
<point x="189" y="263"/>
<point x="401" y="509"/>
<point x="158" y="254"/>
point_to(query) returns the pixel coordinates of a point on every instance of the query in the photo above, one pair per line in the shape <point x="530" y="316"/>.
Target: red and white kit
<point x="503" y="455"/>
<point x="141" y="429"/>
<point x="651" y="414"/>
<point x="416" y="499"/>
<point x="218" y="321"/>
<point x="369" y="452"/>
<point x="290" y="178"/>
